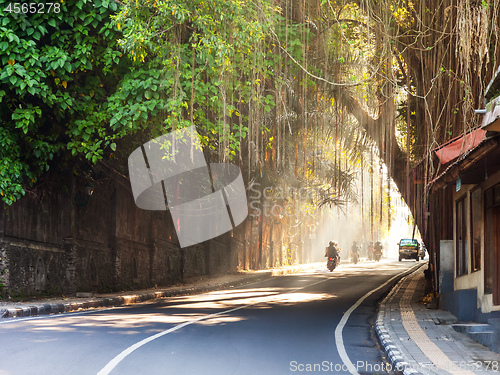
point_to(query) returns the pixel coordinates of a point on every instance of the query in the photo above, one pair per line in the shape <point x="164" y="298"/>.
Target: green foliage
<point x="57" y="71"/>
<point x="211" y="60"/>
<point x="77" y="80"/>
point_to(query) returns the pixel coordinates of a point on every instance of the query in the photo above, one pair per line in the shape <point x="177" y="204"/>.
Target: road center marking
<point x="120" y="357"/>
<point x="339" y="341"/>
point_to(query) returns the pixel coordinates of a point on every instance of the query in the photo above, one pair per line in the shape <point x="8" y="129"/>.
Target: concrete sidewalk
<point x="418" y="340"/>
<point x="190" y="286"/>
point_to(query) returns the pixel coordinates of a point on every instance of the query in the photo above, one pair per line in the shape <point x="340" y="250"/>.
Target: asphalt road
<point x="314" y="322"/>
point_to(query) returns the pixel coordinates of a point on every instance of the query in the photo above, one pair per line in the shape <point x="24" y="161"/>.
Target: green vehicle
<point x="408" y="249"/>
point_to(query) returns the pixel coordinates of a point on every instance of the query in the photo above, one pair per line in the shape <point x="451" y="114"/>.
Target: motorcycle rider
<point x="332" y="250"/>
<point x="355" y="250"/>
<point x="370" y="251"/>
<point x="378" y="250"/>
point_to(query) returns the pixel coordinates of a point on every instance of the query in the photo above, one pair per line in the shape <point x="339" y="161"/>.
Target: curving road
<point x="314" y="322"/>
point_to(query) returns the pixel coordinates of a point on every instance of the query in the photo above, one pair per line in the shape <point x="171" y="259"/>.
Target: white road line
<point x="120" y="357"/>
<point x="339" y="341"/>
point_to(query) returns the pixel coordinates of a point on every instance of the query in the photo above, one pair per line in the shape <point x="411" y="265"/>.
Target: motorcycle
<point x="370" y="253"/>
<point x="377" y="254"/>
<point x="332" y="263"/>
<point x="355" y="258"/>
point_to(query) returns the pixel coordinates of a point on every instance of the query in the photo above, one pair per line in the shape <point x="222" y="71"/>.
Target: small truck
<point x="408" y="249"/>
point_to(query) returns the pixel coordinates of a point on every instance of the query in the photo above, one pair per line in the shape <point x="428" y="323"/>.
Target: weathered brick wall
<point x="34" y="268"/>
<point x="194" y="261"/>
<point x="94" y="267"/>
<point x="44" y="218"/>
<point x="32" y="244"/>
<point x="166" y="263"/>
<point x="4" y="268"/>
<point x="65" y="242"/>
<point x="221" y="258"/>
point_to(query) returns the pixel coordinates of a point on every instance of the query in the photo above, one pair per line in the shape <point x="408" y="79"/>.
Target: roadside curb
<point x="35" y="309"/>
<point x="394" y="355"/>
<point x="123" y="300"/>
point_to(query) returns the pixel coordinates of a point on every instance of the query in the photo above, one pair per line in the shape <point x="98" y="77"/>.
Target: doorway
<point x="492" y="244"/>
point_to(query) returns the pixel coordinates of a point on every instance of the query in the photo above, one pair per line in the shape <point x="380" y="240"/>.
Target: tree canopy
<point x="58" y="73"/>
<point x="297" y="92"/>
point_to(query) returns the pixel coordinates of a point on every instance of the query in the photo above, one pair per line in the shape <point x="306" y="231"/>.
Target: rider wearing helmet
<point x="332" y="250"/>
<point x="354" y="248"/>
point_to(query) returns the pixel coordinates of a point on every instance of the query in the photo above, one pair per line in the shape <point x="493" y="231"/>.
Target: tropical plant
<point x="57" y="70"/>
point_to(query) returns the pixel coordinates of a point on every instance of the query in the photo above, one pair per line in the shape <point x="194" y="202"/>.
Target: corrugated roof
<point x="464" y="157"/>
<point x="460" y="145"/>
